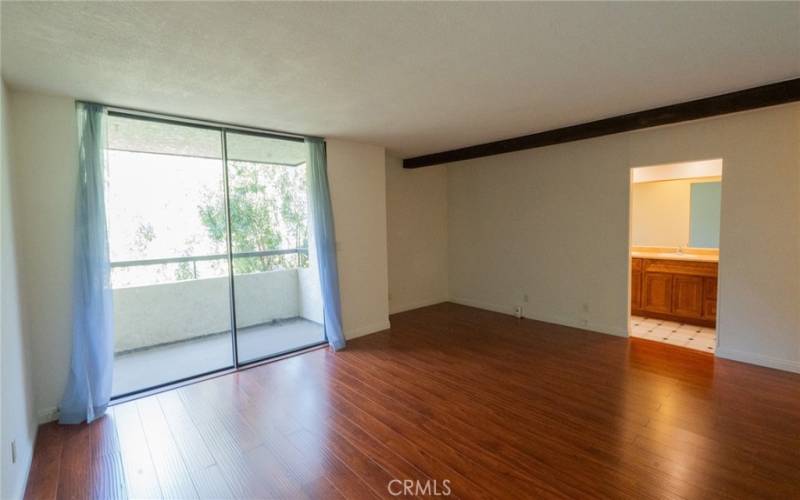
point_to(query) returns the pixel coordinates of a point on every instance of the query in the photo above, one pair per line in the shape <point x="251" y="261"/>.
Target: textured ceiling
<point x="414" y="77"/>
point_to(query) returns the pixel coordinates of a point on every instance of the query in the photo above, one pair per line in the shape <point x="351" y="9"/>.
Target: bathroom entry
<point x="674" y="253"/>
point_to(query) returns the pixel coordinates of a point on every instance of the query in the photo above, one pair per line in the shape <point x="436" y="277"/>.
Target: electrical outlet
<point x="13" y="452"/>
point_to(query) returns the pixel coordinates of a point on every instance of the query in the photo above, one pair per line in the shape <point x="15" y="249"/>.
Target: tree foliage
<point x="268" y="211"/>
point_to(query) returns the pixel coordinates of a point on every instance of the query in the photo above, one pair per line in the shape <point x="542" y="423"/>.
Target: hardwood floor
<point x="495" y="406"/>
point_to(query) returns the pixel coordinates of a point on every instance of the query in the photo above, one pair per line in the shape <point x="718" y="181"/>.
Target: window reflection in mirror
<point x="705" y="214"/>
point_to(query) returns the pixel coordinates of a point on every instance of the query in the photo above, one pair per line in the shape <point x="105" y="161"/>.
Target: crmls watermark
<point x="412" y="487"/>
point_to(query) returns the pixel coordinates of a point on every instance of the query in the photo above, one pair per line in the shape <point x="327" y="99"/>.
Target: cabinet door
<point x="636" y="290"/>
<point x="710" y="298"/>
<point x="657" y="292"/>
<point x="687" y="296"/>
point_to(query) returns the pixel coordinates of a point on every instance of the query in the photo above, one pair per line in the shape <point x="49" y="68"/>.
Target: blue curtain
<point x="89" y="385"/>
<point x="325" y="239"/>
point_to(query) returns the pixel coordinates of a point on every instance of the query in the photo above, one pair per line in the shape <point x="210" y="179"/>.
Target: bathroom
<point x="674" y="253"/>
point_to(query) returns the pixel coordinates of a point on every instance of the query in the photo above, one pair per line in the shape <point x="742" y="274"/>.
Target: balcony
<point x="175" y="330"/>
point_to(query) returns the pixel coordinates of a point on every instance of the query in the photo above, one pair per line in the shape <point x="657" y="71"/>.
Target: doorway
<point x="674" y="253"/>
<point x="209" y="243"/>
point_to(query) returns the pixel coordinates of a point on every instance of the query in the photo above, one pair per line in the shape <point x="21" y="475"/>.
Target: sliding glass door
<point x="187" y="204"/>
<point x="170" y="275"/>
<point x="277" y="297"/>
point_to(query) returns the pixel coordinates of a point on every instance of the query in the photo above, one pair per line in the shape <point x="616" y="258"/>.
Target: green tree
<point x="145" y="234"/>
<point x="268" y="212"/>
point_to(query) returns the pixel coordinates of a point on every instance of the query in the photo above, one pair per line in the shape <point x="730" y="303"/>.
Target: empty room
<point x="400" y="249"/>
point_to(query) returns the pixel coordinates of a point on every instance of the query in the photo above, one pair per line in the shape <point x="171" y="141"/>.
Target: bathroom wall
<point x="660" y="212"/>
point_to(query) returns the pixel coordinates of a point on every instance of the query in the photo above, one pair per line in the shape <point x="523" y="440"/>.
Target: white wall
<point x="416" y="214"/>
<point x="357" y="180"/>
<point x="18" y="416"/>
<point x="44" y="169"/>
<point x="553" y="223"/>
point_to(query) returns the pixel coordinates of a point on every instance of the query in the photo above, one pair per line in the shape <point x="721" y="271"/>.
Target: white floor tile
<point x="671" y="325"/>
<point x="701" y="345"/>
<point x="676" y="341"/>
<point x="692" y="328"/>
<point x="681" y="335"/>
<point x="662" y="333"/>
<point x="651" y="336"/>
<point x="675" y="333"/>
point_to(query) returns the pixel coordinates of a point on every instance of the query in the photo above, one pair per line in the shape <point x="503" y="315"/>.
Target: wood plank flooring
<point x="496" y="407"/>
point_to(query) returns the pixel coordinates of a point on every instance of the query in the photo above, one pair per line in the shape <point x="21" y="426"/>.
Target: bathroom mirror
<point x="705" y="214"/>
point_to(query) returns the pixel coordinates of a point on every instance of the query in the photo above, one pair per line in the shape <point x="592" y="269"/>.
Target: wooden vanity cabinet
<point x="657" y="292"/>
<point x="636" y="284"/>
<point x="678" y="290"/>
<point x="687" y="296"/>
<point x="710" y="298"/>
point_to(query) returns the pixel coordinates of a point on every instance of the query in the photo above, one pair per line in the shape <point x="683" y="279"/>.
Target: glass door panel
<point x="278" y="305"/>
<point x="168" y="246"/>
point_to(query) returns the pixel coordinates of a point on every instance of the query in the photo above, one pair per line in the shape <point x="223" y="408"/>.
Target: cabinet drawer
<point x="693" y="268"/>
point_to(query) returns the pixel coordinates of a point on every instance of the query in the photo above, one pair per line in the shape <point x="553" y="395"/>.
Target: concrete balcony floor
<point x="144" y="368"/>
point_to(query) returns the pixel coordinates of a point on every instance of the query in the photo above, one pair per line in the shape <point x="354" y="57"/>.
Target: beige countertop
<point x="675" y="256"/>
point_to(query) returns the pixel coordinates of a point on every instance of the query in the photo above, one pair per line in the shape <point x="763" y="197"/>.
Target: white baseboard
<point x="759" y="359"/>
<point x="416" y="305"/>
<point x="27" y="461"/>
<point x="483" y="305"/>
<point x="47" y="415"/>
<point x="593" y="326"/>
<point x="745" y="357"/>
<point x="367" y="329"/>
<point x="571" y="322"/>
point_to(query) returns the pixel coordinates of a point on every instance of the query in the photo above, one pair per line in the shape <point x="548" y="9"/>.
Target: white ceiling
<point x="414" y="77"/>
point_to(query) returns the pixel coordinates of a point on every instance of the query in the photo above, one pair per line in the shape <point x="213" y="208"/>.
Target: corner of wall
<point x="357" y="176"/>
<point x="416" y="214"/>
<point x="19" y="422"/>
<point x="367" y="329"/>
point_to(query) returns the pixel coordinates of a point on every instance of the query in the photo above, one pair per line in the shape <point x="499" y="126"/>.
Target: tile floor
<point x="696" y="337"/>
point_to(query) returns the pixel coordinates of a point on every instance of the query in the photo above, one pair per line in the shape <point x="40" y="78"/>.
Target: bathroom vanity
<point x="675" y="286"/>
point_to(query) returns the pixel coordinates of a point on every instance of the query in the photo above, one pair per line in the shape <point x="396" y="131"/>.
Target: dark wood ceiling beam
<point x="757" y="97"/>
